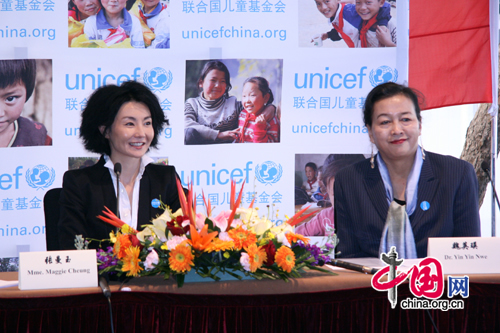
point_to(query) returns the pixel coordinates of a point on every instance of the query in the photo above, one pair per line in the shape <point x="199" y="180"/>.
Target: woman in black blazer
<point x="434" y="195"/>
<point x="121" y="123"/>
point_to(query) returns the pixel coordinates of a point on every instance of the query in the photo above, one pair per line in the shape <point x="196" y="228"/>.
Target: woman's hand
<point x="384" y="36"/>
<point x="228" y="135"/>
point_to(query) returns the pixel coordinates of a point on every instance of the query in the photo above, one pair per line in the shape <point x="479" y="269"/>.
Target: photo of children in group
<point x="25" y="103"/>
<point x="119" y="24"/>
<point x="314" y="180"/>
<point x="347" y="23"/>
<point x="232" y="101"/>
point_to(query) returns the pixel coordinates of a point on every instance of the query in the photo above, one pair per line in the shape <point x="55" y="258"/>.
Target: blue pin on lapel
<point x="155" y="203"/>
<point x="425" y="205"/>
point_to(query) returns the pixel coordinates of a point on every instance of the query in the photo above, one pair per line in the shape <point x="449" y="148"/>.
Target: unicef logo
<point x="158" y="79"/>
<point x="383" y="74"/>
<point x="268" y="172"/>
<point x="40" y="176"/>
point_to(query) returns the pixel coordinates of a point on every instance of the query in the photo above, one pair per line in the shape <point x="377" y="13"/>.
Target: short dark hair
<point x="18" y="71"/>
<point x="218" y="65"/>
<point x="312" y="165"/>
<point x="263" y="86"/>
<point x="103" y="106"/>
<point x="336" y="162"/>
<point x="388" y="90"/>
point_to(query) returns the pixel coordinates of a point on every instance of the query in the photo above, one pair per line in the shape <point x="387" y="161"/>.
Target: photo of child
<point x="212" y="116"/>
<point x="119" y="23"/>
<point x="316" y="190"/>
<point x="78" y="12"/>
<point x="353" y="23"/>
<point x="21" y="80"/>
<point x="252" y="125"/>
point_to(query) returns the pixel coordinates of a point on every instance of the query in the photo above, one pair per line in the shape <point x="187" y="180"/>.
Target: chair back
<point x="51" y="209"/>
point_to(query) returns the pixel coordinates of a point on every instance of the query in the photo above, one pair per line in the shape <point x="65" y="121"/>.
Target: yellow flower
<point x="242" y="238"/>
<point x="285" y="258"/>
<point x="131" y="261"/>
<point x="257" y="256"/>
<point x="219" y="245"/>
<point x="181" y="259"/>
<point x="293" y="238"/>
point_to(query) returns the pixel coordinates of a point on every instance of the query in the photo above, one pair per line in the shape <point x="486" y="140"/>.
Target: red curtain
<point x="449" y="52"/>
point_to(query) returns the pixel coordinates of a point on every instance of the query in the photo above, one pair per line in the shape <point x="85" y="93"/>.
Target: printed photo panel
<point x="232" y="101"/>
<point x="347" y="23"/>
<point x="26" y="102"/>
<point x="314" y="180"/>
<point x="119" y="24"/>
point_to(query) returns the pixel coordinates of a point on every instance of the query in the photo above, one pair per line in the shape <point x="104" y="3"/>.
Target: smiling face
<point x="87" y="7"/>
<point x="12" y="99"/>
<point x="131" y="133"/>
<point x="252" y="99"/>
<point x="395" y="128"/>
<point x="113" y="6"/>
<point x="327" y="7"/>
<point x="368" y="8"/>
<point x="214" y="85"/>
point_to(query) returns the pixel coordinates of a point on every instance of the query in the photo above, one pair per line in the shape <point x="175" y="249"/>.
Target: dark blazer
<point x="448" y="184"/>
<point x="86" y="192"/>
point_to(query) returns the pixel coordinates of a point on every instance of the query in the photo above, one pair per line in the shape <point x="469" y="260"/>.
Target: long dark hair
<point x="218" y="65"/>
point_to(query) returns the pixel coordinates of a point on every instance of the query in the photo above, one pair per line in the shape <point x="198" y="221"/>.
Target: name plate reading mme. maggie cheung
<point x="57" y="269"/>
<point x="466" y="255"/>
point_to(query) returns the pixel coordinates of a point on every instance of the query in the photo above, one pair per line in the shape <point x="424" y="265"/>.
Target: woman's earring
<point x="372" y="160"/>
<point x="422" y="148"/>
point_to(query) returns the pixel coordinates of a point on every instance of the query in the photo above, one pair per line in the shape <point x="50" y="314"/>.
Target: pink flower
<point x="200" y="221"/>
<point x="245" y="261"/>
<point x="174" y="241"/>
<point x="220" y="221"/>
<point x="151" y="260"/>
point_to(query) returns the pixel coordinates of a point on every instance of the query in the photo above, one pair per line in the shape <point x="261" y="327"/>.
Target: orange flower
<point x="121" y="245"/>
<point x="219" y="245"/>
<point x="285" y="258"/>
<point x="257" y="256"/>
<point x="181" y="259"/>
<point x="200" y="241"/>
<point x="131" y="261"/>
<point x="242" y="238"/>
<point x="293" y="238"/>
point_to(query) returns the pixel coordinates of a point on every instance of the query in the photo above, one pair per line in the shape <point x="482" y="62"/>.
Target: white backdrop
<point x="314" y="118"/>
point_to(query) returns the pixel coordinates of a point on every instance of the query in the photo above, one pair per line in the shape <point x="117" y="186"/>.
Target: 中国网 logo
<point x="268" y="172"/>
<point x="383" y="74"/>
<point x="426" y="283"/>
<point x="40" y="176"/>
<point x="157" y="79"/>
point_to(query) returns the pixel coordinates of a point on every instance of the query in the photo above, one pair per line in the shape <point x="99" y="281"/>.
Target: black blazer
<point x="448" y="184"/>
<point x="86" y="192"/>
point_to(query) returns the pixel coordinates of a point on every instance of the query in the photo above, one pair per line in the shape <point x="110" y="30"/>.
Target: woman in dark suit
<point x="121" y="123"/>
<point x="403" y="195"/>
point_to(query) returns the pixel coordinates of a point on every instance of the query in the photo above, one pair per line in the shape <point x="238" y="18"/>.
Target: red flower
<point x="175" y="226"/>
<point x="270" y="251"/>
<point x="135" y="241"/>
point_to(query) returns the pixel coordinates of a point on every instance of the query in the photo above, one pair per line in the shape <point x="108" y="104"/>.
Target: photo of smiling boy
<point x="358" y="23"/>
<point x="17" y="83"/>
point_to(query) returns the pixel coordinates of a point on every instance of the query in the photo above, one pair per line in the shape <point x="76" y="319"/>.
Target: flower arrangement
<point x="236" y="242"/>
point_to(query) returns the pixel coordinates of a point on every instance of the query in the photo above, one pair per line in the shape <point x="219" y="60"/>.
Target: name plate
<point x="57" y="269"/>
<point x="466" y="255"/>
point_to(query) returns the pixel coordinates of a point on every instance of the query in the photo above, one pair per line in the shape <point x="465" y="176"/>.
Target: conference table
<point x="316" y="302"/>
